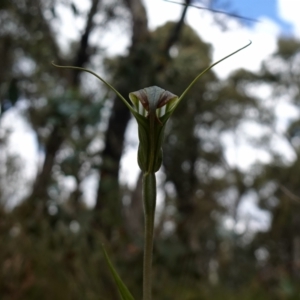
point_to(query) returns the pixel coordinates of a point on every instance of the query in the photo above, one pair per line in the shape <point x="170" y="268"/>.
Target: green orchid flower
<point x="152" y="107"/>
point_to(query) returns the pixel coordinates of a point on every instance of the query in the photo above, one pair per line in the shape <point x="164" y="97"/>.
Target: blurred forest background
<point x="204" y="248"/>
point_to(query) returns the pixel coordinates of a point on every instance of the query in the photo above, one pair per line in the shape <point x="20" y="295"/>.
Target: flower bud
<point x="152" y="105"/>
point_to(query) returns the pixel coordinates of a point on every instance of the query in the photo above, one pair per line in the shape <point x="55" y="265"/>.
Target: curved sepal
<point x="203" y="72"/>
<point x="101" y="79"/>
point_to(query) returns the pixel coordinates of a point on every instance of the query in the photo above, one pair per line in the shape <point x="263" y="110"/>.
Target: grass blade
<point x="123" y="290"/>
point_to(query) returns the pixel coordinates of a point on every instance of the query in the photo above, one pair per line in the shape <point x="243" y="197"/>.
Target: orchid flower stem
<point x="149" y="199"/>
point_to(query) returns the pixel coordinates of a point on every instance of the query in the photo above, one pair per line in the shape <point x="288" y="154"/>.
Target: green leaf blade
<point x="123" y="290"/>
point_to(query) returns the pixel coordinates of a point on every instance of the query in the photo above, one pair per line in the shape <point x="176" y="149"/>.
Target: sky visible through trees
<point x="275" y="17"/>
<point x="229" y="186"/>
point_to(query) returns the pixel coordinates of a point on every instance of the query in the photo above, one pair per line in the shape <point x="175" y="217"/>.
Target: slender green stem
<point x="149" y="199"/>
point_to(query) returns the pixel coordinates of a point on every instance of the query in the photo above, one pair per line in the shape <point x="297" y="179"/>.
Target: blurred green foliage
<point x="50" y="243"/>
